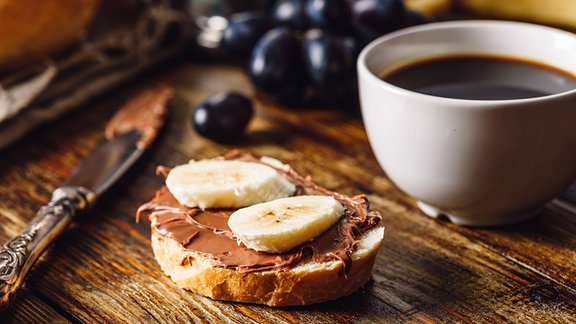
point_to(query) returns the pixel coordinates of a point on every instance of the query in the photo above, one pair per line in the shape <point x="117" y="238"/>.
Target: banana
<point x="280" y="225"/>
<point x="226" y="184"/>
<point x="558" y="13"/>
<point x="430" y="7"/>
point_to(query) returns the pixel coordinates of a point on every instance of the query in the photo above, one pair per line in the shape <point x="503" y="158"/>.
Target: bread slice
<point x="307" y="283"/>
<point x="32" y="30"/>
<point x="305" y="275"/>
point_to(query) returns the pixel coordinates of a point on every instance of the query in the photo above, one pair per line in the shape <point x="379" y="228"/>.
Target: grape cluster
<point x="306" y="50"/>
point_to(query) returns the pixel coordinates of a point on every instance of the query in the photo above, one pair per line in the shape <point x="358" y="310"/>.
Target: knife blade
<point x="127" y="135"/>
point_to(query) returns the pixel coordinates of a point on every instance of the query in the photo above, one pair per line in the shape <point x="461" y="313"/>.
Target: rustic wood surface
<point x="102" y="269"/>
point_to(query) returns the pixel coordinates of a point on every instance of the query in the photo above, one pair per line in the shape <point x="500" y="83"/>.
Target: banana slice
<point x="280" y="225"/>
<point x="226" y="184"/>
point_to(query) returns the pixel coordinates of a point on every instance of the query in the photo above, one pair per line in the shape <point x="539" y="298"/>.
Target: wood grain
<point x="102" y="269"/>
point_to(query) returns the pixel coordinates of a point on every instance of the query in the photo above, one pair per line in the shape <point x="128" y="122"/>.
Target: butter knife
<point x="127" y="135"/>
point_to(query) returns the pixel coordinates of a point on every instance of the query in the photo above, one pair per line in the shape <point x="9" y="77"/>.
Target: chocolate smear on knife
<point x="143" y="113"/>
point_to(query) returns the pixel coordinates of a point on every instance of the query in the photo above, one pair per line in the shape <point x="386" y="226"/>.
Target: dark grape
<point x="327" y="57"/>
<point x="328" y="14"/>
<point x="223" y="117"/>
<point x="290" y="13"/>
<point x="276" y="66"/>
<point x="379" y="16"/>
<point x="351" y="44"/>
<point x="243" y="32"/>
<point x="312" y="54"/>
<point x="330" y="61"/>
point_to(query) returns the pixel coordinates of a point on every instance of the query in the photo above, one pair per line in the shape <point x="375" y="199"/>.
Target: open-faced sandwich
<point x="248" y="229"/>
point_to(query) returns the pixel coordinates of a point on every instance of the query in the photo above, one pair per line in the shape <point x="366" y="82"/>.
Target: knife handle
<point x="19" y="254"/>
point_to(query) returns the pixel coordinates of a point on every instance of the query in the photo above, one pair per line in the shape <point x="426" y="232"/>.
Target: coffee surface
<point x="481" y="78"/>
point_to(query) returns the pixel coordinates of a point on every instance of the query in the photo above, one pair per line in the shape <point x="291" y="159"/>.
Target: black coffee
<point x="482" y="78"/>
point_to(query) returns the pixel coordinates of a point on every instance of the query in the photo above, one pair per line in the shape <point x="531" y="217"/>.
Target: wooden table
<point x="102" y="269"/>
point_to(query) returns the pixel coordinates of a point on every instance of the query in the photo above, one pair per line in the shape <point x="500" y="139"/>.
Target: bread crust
<point x="307" y="283"/>
<point x="32" y="30"/>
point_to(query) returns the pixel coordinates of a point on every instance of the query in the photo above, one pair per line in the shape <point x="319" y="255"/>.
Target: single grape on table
<point x="223" y="117"/>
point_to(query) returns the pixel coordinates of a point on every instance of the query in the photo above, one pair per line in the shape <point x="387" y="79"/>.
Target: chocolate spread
<point x="143" y="113"/>
<point x="207" y="232"/>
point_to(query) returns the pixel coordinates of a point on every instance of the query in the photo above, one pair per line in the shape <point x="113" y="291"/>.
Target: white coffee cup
<point x="479" y="162"/>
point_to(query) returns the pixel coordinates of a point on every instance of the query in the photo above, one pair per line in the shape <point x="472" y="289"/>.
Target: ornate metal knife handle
<point x="20" y="253"/>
